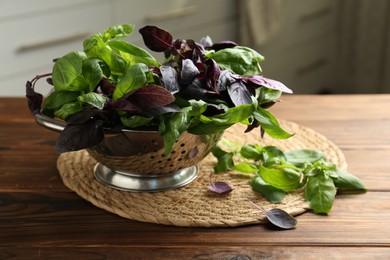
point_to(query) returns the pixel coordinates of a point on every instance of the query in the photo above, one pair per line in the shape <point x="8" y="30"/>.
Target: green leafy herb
<point x="300" y="157"/>
<point x="202" y="88"/>
<point x="348" y="183"/>
<point x="272" y="194"/>
<point x="134" y="78"/>
<point x="240" y="60"/>
<point x="67" y="72"/>
<point x="93" y="99"/>
<point x="225" y="160"/>
<point x="277" y="173"/>
<point x="320" y="192"/>
<point x="270" y="125"/>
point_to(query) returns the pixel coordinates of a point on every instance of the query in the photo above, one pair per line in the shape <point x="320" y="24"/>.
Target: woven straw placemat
<point x="193" y="205"/>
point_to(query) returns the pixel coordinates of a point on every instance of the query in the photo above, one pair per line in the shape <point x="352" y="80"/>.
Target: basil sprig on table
<point x="276" y="173"/>
<point x="202" y="88"/>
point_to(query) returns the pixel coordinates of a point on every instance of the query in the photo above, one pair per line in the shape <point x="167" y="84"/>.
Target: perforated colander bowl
<point x="136" y="160"/>
<point x="142" y="152"/>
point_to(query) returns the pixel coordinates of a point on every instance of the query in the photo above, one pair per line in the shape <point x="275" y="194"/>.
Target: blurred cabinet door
<point x="364" y="54"/>
<point x="37" y="31"/>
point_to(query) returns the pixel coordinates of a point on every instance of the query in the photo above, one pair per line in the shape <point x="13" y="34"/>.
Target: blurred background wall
<point x="321" y="46"/>
<point x="313" y="46"/>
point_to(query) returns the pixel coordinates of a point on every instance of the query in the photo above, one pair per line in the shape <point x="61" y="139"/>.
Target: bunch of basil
<point x="202" y="88"/>
<point x="278" y="173"/>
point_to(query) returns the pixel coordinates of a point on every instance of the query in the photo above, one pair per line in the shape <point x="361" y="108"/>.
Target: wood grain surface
<point x="41" y="218"/>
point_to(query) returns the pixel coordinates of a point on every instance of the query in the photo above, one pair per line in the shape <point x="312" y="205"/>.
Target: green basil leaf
<point x="225" y="163"/>
<point x="67" y="70"/>
<point x="134" y="78"/>
<point x="58" y="98"/>
<point x="348" y="183"/>
<point x="249" y="151"/>
<point x="272" y="152"/>
<point x="218" y="152"/>
<point x="267" y="95"/>
<point x="132" y="53"/>
<point x="93" y="99"/>
<point x="80" y="83"/>
<point x="68" y="109"/>
<point x="320" y="192"/>
<point x="197" y="107"/>
<point x="302" y="156"/>
<point x="173" y="126"/>
<point x="245" y="167"/>
<point x="270" y="125"/>
<point x="215" y="124"/>
<point x="240" y="60"/>
<point x="95" y="47"/>
<point x="284" y="179"/>
<point x="92" y="72"/>
<point x="118" y="31"/>
<point x="271" y="193"/>
<point x="135" y="121"/>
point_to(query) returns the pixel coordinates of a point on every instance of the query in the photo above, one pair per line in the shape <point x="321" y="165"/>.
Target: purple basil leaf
<point x="195" y="90"/>
<point x="170" y="78"/>
<point x="212" y="75"/>
<point x="125" y="105"/>
<point x="179" y="44"/>
<point x="188" y="72"/>
<point x="223" y="45"/>
<point x="171" y="108"/>
<point x="198" y="50"/>
<point x="106" y="86"/>
<point x="96" y="114"/>
<point x="214" y="109"/>
<point x="281" y="218"/>
<point x="225" y="79"/>
<point x="193" y="152"/>
<point x="75" y="137"/>
<point x="278" y="217"/>
<point x="206" y="42"/>
<point x="49" y="81"/>
<point x="220" y="187"/>
<point x="156" y="39"/>
<point x="262" y="132"/>
<point x="252" y="126"/>
<point x="34" y="99"/>
<point x="150" y="96"/>
<point x="268" y="104"/>
<point x="239" y="94"/>
<point x="201" y="67"/>
<point x="268" y="83"/>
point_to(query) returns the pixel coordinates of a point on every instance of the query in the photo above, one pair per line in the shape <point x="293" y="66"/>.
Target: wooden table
<point x="40" y="217"/>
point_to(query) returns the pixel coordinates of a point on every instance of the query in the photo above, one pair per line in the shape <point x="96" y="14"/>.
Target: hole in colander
<point x="169" y="159"/>
<point x="159" y="161"/>
<point x="183" y="152"/>
<point x="171" y="165"/>
<point x="163" y="155"/>
<point x="180" y="159"/>
<point x="152" y="157"/>
<point x="173" y="152"/>
<point x="182" y="144"/>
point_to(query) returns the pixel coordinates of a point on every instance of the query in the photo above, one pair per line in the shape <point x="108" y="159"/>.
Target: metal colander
<point x="136" y="160"/>
<point x="142" y="152"/>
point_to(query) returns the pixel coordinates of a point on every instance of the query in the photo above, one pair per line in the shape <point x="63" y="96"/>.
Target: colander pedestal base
<point x="130" y="181"/>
